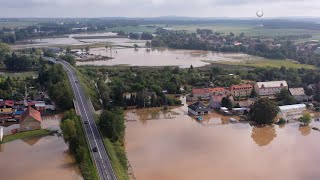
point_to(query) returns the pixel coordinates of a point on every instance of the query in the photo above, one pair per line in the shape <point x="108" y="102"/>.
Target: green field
<point x="249" y="30"/>
<point x="132" y="29"/>
<point x="268" y="63"/>
<point x="27" y="134"/>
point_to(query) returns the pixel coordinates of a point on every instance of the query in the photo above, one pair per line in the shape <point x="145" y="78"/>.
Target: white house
<point x="270" y="88"/>
<point x="299" y="94"/>
<point x="292" y="112"/>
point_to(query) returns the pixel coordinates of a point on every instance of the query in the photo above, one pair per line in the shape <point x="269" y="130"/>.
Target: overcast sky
<point x="154" y="8"/>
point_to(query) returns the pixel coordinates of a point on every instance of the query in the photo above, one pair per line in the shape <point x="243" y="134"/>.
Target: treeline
<point x="55" y="80"/>
<point x="142" y="36"/>
<point x="147" y="88"/>
<point x="280" y="48"/>
<point x="73" y="134"/>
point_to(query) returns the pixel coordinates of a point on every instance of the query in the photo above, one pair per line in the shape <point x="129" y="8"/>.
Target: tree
<point x="69" y="58"/>
<point x="305" y="119"/>
<point x="135" y="46"/>
<point x="226" y="102"/>
<point x="316" y="92"/>
<point x="148" y="44"/>
<point x="4" y="50"/>
<point x="285" y="97"/>
<point x="253" y="93"/>
<point x="112" y="124"/>
<point x="87" y="49"/>
<point x="264" y="111"/>
<point x="68" y="50"/>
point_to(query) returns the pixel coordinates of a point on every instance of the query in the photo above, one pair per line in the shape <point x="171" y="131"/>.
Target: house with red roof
<point x="204" y="94"/>
<point x="30" y="120"/>
<point x="241" y="90"/>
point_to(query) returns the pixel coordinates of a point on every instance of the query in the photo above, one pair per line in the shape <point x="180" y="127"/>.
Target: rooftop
<point x="30" y="112"/>
<point x="292" y="107"/>
<point x="271" y="84"/>
<point x="297" y="91"/>
<point x="198" y="106"/>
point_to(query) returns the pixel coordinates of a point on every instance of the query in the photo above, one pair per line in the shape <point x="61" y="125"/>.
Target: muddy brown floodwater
<point x="173" y="146"/>
<point x="38" y="158"/>
<point x="162" y="57"/>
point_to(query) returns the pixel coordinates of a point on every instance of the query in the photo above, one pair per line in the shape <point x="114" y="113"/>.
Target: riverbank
<point x="26" y="134"/>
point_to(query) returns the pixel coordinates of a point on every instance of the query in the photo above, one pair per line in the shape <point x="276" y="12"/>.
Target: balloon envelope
<point x="259" y="13"/>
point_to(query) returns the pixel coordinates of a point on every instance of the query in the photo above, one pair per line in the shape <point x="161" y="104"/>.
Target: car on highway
<point x="95" y="149"/>
<point x="76" y="81"/>
<point x="86" y="122"/>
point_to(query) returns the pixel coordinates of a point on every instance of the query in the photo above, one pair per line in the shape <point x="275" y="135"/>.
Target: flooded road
<point x="38" y="158"/>
<point x="174" y="146"/>
<point x="162" y="57"/>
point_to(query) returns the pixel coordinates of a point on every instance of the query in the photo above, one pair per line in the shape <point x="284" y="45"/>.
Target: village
<point x="25" y="115"/>
<point x="238" y="99"/>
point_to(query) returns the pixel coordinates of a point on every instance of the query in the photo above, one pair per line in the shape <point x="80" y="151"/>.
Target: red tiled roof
<point x="238" y="86"/>
<point x="207" y="90"/>
<point x="218" y="89"/>
<point x="218" y="98"/>
<point x="9" y="103"/>
<point x="30" y="112"/>
<point x="200" y="91"/>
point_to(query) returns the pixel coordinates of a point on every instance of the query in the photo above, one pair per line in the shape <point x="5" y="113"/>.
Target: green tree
<point x="264" y="111"/>
<point x="305" y="119"/>
<point x="226" y="102"/>
<point x="112" y="124"/>
<point x="4" y="50"/>
<point x="253" y="93"/>
<point x="87" y="49"/>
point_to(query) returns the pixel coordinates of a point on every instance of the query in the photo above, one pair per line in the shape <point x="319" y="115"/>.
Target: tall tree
<point x="264" y="111"/>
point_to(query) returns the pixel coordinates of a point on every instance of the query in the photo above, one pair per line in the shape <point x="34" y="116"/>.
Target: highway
<point x="94" y="138"/>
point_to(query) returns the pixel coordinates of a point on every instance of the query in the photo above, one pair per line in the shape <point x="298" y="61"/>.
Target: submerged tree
<point x="264" y="111"/>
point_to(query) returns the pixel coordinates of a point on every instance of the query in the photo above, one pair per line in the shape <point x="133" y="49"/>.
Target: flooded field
<point x="79" y="39"/>
<point x="38" y="158"/>
<point x="171" y="145"/>
<point x="162" y="57"/>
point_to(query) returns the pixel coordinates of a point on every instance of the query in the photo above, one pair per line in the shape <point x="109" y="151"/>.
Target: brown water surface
<point x="38" y="158"/>
<point x="173" y="146"/>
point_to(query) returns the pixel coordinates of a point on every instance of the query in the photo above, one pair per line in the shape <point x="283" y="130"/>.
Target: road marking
<point x="86" y="115"/>
<point x="75" y="88"/>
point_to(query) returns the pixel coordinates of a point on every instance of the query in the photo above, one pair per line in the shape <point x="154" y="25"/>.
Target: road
<point x="94" y="138"/>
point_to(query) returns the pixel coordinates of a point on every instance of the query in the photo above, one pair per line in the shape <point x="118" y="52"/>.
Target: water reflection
<point x="305" y="130"/>
<point x="31" y="141"/>
<point x="263" y="135"/>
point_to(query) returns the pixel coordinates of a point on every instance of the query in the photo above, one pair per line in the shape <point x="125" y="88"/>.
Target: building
<point x="198" y="108"/>
<point x="30" y="119"/>
<point x="292" y="112"/>
<point x="6" y="107"/>
<point x="40" y="106"/>
<point x="270" y="88"/>
<point x="215" y="101"/>
<point x="299" y="94"/>
<point x="241" y="90"/>
<point x="205" y="94"/>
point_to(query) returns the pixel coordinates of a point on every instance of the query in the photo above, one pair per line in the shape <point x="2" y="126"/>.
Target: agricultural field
<point x="132" y="29"/>
<point x="249" y="30"/>
<point x="262" y="63"/>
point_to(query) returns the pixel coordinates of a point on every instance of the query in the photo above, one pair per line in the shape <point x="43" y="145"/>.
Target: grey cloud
<point x="136" y="8"/>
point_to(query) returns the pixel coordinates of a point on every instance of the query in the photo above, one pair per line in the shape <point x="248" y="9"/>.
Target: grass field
<point x="249" y="30"/>
<point x="27" y="134"/>
<point x="132" y="29"/>
<point x="268" y="63"/>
